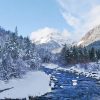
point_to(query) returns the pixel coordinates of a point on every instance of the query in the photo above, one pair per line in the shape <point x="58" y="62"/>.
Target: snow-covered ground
<point x="32" y="84"/>
<point x="37" y="83"/>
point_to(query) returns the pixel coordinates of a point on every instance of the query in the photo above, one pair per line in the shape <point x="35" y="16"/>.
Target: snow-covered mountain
<point x="50" y="38"/>
<point x="92" y="37"/>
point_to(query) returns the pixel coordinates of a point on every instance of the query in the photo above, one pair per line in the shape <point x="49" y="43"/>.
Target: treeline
<point x="74" y="55"/>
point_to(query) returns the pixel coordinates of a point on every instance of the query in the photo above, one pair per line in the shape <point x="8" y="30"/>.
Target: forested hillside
<point x="75" y="55"/>
<point x="17" y="55"/>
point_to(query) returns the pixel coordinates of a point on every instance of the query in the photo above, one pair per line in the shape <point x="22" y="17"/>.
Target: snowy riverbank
<point x="37" y="83"/>
<point x="68" y="84"/>
<point x="89" y="70"/>
<point x="33" y="84"/>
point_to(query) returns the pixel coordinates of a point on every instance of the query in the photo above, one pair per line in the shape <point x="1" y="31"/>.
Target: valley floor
<point x="54" y="82"/>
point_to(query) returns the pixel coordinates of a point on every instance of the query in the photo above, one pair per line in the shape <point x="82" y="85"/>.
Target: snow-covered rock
<point x="74" y="82"/>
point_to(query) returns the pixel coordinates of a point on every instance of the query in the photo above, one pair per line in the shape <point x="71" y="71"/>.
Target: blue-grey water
<point x="83" y="88"/>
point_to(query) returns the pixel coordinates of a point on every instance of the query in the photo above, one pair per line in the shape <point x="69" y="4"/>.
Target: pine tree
<point x="13" y="46"/>
<point x="68" y="56"/>
<point x="16" y="31"/>
<point x="86" y="55"/>
<point x="81" y="55"/>
<point x="65" y="54"/>
<point x="98" y="54"/>
<point x="92" y="54"/>
<point x="75" y="54"/>
<point x="27" y="49"/>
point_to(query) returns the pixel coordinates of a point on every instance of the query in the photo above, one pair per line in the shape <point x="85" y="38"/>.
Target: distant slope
<point x="91" y="38"/>
<point x="49" y="38"/>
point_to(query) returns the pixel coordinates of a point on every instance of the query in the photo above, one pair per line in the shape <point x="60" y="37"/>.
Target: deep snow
<point x="33" y="84"/>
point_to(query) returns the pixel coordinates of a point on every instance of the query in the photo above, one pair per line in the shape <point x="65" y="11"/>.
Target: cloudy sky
<point x="73" y="17"/>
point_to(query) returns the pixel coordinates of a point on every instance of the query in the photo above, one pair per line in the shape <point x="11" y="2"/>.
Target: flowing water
<point x="69" y="86"/>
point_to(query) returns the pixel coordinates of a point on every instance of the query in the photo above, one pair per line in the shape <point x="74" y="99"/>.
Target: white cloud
<point x="91" y="20"/>
<point x="80" y="15"/>
<point x="71" y="20"/>
<point x="42" y="32"/>
<point x="66" y="33"/>
<point x="94" y="16"/>
<point x="44" y="35"/>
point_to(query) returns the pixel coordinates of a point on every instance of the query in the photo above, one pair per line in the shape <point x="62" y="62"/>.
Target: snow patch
<point x="58" y="50"/>
<point x="80" y="43"/>
<point x="74" y="82"/>
<point x="50" y="65"/>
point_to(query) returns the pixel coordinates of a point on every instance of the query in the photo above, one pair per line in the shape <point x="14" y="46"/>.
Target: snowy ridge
<point x="47" y="35"/>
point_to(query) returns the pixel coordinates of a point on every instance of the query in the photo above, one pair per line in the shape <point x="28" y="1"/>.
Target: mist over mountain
<point x="50" y="38"/>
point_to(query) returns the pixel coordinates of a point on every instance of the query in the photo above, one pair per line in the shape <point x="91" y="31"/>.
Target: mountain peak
<point x="46" y="35"/>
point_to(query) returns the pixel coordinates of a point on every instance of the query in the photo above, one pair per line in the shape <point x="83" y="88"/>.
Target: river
<point x="69" y="86"/>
